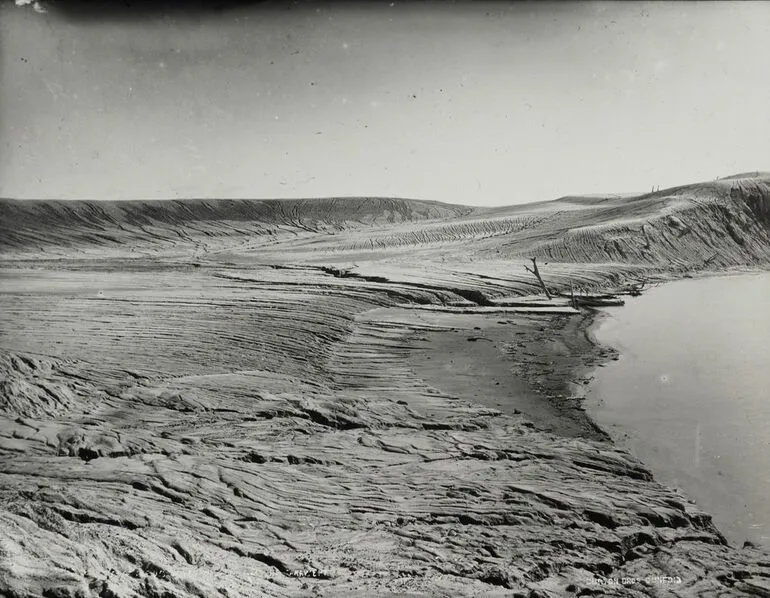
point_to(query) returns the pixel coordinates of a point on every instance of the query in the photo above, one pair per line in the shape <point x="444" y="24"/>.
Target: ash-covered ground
<point x="335" y="397"/>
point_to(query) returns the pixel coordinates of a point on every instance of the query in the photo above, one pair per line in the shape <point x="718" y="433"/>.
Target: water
<point x="690" y="395"/>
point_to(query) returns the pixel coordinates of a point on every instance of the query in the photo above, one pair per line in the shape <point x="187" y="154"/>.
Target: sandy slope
<point x="241" y="399"/>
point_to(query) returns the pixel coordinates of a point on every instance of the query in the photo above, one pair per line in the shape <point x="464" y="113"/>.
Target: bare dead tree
<point x="536" y="273"/>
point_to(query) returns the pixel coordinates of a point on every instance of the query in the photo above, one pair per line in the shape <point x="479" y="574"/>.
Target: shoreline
<point x="511" y="381"/>
<point x="536" y="365"/>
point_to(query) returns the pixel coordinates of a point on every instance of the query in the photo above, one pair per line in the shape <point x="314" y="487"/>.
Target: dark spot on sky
<point x="128" y="10"/>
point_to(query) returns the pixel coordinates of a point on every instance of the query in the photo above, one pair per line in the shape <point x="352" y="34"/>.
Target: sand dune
<point x="240" y="398"/>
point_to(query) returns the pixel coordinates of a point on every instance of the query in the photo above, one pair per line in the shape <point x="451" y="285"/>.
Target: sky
<point x="479" y="103"/>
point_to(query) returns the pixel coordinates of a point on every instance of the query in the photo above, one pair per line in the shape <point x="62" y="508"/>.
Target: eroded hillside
<point x="252" y="398"/>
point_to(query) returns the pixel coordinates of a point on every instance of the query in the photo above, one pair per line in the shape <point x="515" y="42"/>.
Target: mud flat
<point x="239" y="399"/>
<point x="530" y="364"/>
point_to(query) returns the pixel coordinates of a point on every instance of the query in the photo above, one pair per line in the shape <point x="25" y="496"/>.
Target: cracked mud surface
<point x="329" y="398"/>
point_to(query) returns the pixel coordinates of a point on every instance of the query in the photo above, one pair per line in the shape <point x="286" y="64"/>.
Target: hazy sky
<point x="478" y="103"/>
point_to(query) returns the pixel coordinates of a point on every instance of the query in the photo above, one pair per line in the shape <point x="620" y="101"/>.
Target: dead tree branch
<point x="535" y="272"/>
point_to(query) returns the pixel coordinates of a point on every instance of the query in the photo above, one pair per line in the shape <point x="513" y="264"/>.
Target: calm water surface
<point x="690" y="395"/>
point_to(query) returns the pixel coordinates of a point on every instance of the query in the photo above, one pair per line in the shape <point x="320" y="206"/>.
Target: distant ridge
<point x="720" y="222"/>
<point x="39" y="223"/>
<point x="746" y="175"/>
